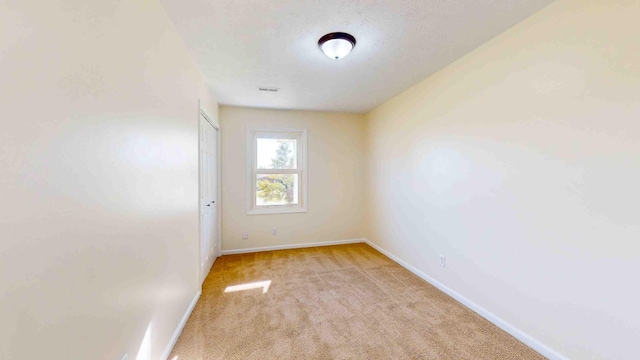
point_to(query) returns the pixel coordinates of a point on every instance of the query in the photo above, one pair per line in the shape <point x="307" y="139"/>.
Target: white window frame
<point x="253" y="171"/>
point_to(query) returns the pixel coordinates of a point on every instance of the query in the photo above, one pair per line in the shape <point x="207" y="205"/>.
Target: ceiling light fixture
<point x="337" y="45"/>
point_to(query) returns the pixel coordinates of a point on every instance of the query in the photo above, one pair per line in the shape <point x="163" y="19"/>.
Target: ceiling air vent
<point x="268" y="89"/>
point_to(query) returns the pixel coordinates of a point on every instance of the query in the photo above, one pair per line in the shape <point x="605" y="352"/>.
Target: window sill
<point x="277" y="210"/>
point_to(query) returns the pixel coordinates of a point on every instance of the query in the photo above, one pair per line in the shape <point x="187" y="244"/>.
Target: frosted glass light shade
<point x="337" y="45"/>
<point x="336" y="48"/>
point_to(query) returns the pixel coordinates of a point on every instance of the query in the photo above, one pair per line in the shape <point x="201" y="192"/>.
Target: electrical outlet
<point x="245" y="235"/>
<point x="442" y="260"/>
<point x="274" y="231"/>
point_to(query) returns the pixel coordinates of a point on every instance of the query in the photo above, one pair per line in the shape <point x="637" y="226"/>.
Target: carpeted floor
<point x="334" y="302"/>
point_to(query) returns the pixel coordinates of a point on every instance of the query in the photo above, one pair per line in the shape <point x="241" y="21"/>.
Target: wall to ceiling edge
<point x="519" y="163"/>
<point x="99" y="180"/>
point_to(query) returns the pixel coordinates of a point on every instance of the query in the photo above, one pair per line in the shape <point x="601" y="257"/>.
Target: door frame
<point x="202" y="111"/>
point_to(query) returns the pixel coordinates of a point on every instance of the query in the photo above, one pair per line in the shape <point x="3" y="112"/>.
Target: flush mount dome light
<point x="337" y="45"/>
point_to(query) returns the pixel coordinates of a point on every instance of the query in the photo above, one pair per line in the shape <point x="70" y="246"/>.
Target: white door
<point x="208" y="196"/>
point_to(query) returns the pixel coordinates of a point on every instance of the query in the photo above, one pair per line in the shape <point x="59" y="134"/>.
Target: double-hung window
<point x="277" y="171"/>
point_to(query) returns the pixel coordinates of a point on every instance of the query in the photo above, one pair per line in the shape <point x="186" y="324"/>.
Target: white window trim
<point x="303" y="198"/>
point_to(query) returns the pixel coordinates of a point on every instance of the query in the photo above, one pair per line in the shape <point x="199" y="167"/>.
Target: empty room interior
<point x="297" y="179"/>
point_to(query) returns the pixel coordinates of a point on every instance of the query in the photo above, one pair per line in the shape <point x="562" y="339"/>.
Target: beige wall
<point x="98" y="179"/>
<point x="335" y="157"/>
<point x="520" y="163"/>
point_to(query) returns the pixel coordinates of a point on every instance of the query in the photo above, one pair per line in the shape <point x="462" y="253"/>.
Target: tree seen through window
<point x="279" y="188"/>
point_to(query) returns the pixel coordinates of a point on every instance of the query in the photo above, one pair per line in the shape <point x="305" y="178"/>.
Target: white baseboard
<point x="183" y="322"/>
<point x="528" y="340"/>
<point x="292" y="246"/>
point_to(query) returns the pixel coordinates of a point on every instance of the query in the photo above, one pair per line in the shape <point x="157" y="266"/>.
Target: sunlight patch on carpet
<point x="250" y="286"/>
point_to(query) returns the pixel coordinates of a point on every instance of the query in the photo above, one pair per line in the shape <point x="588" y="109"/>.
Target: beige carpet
<point x="336" y="302"/>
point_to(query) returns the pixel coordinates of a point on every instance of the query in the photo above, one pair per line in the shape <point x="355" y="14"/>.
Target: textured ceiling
<point x="241" y="45"/>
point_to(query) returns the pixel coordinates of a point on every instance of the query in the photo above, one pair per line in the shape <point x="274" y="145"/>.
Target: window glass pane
<point x="276" y="153"/>
<point x="276" y="189"/>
